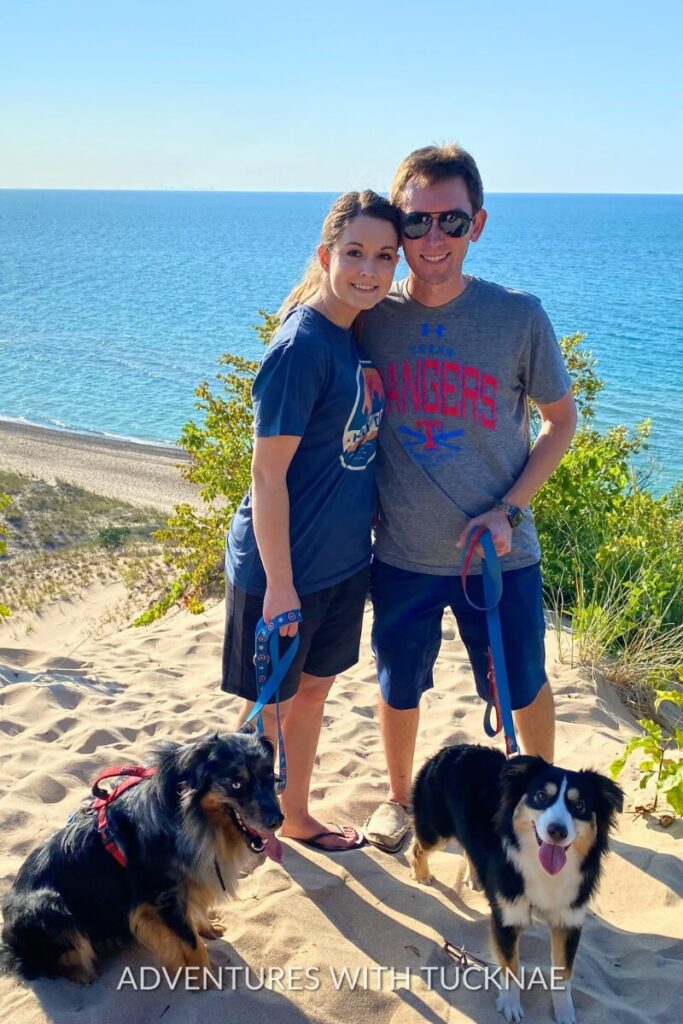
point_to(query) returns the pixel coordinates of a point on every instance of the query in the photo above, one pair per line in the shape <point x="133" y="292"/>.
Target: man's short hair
<point x="430" y="164"/>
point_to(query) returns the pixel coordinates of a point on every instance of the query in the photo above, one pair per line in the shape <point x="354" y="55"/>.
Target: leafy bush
<point x="675" y="500"/>
<point x="221" y="467"/>
<point x="612" y="552"/>
<point x="113" y="538"/>
<point x="659" y="745"/>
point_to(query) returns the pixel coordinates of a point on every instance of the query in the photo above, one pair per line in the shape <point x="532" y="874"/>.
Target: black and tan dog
<point x="178" y="840"/>
<point x="534" y="837"/>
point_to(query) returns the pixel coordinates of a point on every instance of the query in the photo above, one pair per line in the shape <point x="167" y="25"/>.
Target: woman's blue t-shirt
<point x="313" y="384"/>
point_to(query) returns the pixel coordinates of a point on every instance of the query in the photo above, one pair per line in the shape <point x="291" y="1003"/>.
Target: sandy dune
<point x="72" y="704"/>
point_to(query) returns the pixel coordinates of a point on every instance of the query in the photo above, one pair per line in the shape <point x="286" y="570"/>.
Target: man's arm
<point x="558" y="423"/>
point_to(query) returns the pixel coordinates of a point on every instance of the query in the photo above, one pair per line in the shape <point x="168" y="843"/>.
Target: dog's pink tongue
<point x="273" y="847"/>
<point x="552" y="857"/>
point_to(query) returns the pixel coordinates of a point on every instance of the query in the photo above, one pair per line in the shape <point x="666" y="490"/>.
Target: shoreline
<point x="141" y="473"/>
<point x="42" y="429"/>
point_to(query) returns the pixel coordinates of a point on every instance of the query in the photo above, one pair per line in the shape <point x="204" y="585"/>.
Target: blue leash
<point x="499" y="697"/>
<point x="270" y="671"/>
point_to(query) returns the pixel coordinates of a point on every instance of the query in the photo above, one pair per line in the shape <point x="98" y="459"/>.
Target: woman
<point x="301" y="538"/>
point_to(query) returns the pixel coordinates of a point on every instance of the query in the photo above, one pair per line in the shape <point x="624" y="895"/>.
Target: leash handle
<point x="492" y="579"/>
<point x="491" y="573"/>
<point x="267" y="653"/>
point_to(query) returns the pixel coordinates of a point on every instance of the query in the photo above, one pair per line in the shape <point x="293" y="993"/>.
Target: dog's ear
<point x="514" y="781"/>
<point x="519" y="769"/>
<point x="515" y="775"/>
<point x="610" y="795"/>
<point x="193" y="758"/>
<point x="268" y="745"/>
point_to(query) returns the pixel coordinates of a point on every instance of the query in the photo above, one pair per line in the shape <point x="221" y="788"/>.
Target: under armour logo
<point x="439" y="330"/>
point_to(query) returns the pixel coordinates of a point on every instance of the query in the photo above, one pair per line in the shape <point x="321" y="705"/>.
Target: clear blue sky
<point x="583" y="97"/>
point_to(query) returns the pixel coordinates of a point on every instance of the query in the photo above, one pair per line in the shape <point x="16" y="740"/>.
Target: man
<point x="459" y="357"/>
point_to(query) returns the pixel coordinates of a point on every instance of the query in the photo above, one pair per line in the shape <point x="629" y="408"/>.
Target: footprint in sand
<point x="98" y="738"/>
<point x="44" y="786"/>
<point x="11" y="728"/>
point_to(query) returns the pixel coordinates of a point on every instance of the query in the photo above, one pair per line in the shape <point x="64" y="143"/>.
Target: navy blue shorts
<point x="406" y="632"/>
<point x="329" y="635"/>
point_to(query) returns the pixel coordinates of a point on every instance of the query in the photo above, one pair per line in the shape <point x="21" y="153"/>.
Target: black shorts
<point x="329" y="635"/>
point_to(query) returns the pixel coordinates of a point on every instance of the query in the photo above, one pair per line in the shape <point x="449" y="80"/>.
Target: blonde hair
<point x="430" y="164"/>
<point x="344" y="210"/>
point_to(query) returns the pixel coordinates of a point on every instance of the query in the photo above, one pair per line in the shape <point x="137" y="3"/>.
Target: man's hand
<point x="498" y="525"/>
<point x="279" y="599"/>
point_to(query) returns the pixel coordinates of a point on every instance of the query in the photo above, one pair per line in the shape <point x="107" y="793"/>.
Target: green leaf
<point x="617" y="766"/>
<point x="672" y="696"/>
<point x="674" y="798"/>
<point x="671" y="781"/>
<point x="651" y="729"/>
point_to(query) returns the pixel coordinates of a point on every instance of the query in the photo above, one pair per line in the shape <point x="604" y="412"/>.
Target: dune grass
<point x="60" y="538"/>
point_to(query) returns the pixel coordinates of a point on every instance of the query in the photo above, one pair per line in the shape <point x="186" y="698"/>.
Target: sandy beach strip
<point x="142" y="474"/>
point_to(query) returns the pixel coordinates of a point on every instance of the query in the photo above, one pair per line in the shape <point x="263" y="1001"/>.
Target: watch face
<point x="514" y="514"/>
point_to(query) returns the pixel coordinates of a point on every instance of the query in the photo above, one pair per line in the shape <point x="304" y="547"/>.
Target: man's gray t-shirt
<point x="455" y="434"/>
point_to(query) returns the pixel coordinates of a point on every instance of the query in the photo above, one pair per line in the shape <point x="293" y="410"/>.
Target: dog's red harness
<point x="104" y="797"/>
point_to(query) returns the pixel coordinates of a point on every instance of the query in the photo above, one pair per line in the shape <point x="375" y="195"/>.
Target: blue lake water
<point x="114" y="305"/>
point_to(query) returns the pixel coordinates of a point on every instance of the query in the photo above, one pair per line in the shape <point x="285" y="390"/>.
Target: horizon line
<point x="296" y="191"/>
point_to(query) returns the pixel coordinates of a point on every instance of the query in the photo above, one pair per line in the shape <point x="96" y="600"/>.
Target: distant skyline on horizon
<point x="217" y="96"/>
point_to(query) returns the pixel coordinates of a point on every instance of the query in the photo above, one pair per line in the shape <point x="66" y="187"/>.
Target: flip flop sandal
<point x="343" y="831"/>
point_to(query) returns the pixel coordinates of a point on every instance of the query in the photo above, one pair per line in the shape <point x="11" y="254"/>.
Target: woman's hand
<point x="279" y="599"/>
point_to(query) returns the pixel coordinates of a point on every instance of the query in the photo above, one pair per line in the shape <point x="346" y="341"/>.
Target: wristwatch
<point x="513" y="512"/>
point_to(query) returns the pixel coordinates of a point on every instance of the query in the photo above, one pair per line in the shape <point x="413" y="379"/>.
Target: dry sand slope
<point x="72" y="704"/>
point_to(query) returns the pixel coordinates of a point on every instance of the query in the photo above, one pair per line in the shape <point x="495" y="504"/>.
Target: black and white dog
<point x="534" y="837"/>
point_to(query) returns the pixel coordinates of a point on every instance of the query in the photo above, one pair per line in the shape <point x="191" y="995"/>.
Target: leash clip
<point x="463" y="957"/>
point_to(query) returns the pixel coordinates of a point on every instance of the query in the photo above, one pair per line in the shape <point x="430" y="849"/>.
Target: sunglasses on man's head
<point x="454" y="223"/>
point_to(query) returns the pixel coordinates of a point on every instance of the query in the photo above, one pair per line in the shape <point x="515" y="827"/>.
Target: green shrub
<point x="221" y="450"/>
<point x="663" y="749"/>
<point x="674" y="498"/>
<point x="113" y="538"/>
<point x="612" y="552"/>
